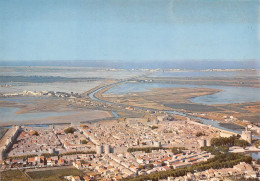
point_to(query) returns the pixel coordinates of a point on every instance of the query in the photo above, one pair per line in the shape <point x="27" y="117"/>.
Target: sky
<point x="129" y="30"/>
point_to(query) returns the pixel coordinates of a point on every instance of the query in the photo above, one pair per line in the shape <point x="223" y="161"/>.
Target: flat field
<point x="13" y="175"/>
<point x="54" y="174"/>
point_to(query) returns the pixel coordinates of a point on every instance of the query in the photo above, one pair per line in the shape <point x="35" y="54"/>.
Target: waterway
<point x="25" y="99"/>
<point x="255" y="155"/>
<point x="203" y="120"/>
<point x="8" y="114"/>
<point x="114" y="114"/>
<point x="213" y="123"/>
<point x="227" y="95"/>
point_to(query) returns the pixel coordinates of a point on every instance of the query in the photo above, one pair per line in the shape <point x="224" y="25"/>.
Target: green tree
<point x="231" y="141"/>
<point x="200" y="134"/>
<point x="141" y="167"/>
<point x="257" y="143"/>
<point x="82" y="161"/>
<point x="154" y="127"/>
<point x="84" y="142"/>
<point x="70" y="130"/>
<point x="36" y="133"/>
<point x="150" y="166"/>
<point x="241" y="143"/>
<point x="258" y="161"/>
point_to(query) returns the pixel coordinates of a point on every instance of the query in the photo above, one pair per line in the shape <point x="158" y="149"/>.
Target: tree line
<point x="175" y="150"/>
<point x="230" y="141"/>
<point x="68" y="153"/>
<point x="227" y="160"/>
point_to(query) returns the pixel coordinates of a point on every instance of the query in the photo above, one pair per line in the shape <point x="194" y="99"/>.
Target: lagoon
<point x="244" y="73"/>
<point x="8" y="115"/>
<point x="227" y="95"/>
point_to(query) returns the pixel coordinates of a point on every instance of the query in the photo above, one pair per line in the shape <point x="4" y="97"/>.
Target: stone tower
<point x="247" y="135"/>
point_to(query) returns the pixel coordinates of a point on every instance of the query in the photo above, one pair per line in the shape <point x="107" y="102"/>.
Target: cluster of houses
<point x="122" y="165"/>
<point x="43" y="161"/>
<point x="35" y="141"/>
<point x="56" y="146"/>
<point x="76" y="141"/>
<point x="62" y="94"/>
<point x="114" y="165"/>
<point x="44" y="93"/>
<point x="138" y="133"/>
<point x="241" y="171"/>
<point x="49" y="140"/>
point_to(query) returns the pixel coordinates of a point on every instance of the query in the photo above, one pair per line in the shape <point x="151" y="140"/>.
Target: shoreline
<point x="97" y="95"/>
<point x="102" y="92"/>
<point x="235" y="109"/>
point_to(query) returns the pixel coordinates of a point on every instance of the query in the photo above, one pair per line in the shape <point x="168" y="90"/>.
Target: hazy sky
<point x="130" y="30"/>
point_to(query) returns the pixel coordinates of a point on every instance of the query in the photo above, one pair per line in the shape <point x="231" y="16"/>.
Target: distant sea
<point x="176" y="64"/>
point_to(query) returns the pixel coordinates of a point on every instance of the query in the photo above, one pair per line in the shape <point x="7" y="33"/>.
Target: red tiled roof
<point x="31" y="159"/>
